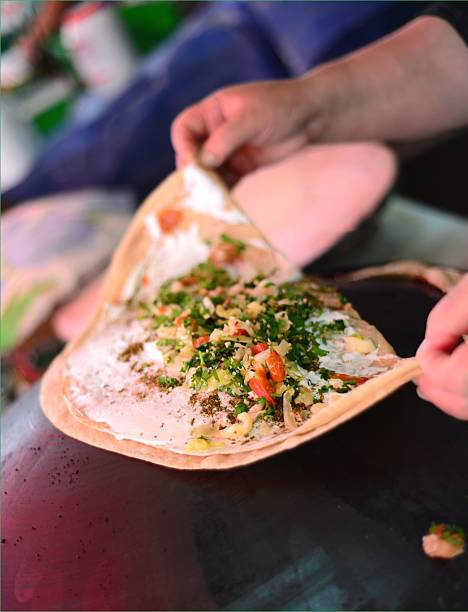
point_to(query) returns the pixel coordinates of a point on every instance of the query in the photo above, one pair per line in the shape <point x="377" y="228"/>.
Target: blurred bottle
<point x="19" y="144"/>
<point x="99" y="48"/>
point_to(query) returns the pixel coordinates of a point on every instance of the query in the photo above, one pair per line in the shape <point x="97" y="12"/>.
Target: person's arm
<point x="410" y="85"/>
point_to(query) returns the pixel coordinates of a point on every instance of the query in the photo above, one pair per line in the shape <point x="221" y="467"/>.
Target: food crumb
<point x="444" y="541"/>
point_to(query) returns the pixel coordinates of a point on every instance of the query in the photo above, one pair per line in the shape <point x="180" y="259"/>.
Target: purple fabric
<point x="128" y="144"/>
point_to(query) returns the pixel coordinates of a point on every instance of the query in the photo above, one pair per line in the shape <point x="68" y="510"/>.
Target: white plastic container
<point x="19" y="144"/>
<point x="99" y="48"/>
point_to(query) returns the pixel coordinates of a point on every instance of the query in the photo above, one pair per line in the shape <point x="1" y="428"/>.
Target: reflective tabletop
<point x="335" y="524"/>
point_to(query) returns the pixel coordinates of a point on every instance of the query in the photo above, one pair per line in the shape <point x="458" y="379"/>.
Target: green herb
<point x="269" y="326"/>
<point x="240" y="246"/>
<point x="167" y="296"/>
<point x="450" y="533"/>
<point x="168" y="382"/>
<point x="241" y="407"/>
<point x="169" y="342"/>
<point x="209" y="276"/>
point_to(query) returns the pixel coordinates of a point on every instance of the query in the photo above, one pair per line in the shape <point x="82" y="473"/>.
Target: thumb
<point x="225" y="140"/>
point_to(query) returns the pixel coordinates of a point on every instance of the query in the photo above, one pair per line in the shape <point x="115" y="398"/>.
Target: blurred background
<point x="89" y="91"/>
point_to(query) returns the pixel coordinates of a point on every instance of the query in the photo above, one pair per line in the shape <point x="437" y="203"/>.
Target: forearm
<point x="408" y="86"/>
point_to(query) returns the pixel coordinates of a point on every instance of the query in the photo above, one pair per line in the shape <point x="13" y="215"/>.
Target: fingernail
<point x="208" y="159"/>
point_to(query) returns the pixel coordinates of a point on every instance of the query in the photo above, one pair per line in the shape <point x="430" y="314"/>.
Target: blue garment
<point x="223" y="43"/>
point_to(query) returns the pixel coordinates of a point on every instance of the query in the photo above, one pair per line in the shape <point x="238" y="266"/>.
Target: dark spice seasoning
<point x="130" y="351"/>
<point x="209" y="404"/>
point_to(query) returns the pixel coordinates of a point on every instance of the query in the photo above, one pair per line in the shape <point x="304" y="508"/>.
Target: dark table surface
<point x="335" y="524"/>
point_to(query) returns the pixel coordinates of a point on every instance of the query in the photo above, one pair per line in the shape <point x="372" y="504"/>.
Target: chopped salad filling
<point x="268" y="349"/>
<point x="444" y="541"/>
<point x="450" y="533"/>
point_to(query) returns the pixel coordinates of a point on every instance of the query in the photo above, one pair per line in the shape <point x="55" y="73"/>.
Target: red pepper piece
<point x="275" y="365"/>
<point x="200" y="340"/>
<point x="259" y="348"/>
<point x="241" y="332"/>
<point x="260" y="387"/>
<point x="357" y="379"/>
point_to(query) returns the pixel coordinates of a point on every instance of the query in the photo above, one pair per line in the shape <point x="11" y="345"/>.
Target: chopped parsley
<point x="209" y="326"/>
<point x="240" y="407"/>
<point x="240" y="246"/>
<point x="168" y="382"/>
<point x="450" y="533"/>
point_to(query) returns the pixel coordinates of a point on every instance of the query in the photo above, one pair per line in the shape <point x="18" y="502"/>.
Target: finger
<point x="212" y="113"/>
<point x="225" y="140"/>
<point x="448" y="320"/>
<point x="451" y="403"/>
<point x="188" y="132"/>
<point x="229" y="175"/>
<point x="242" y="162"/>
<point x="449" y="371"/>
<point x="279" y="151"/>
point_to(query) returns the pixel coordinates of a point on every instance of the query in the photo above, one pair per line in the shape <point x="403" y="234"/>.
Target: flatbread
<point x="145" y="254"/>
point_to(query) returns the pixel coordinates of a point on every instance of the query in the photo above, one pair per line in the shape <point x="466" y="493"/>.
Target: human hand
<point x="443" y="355"/>
<point x="240" y="128"/>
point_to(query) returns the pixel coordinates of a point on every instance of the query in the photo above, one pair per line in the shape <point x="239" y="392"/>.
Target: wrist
<point x="327" y="93"/>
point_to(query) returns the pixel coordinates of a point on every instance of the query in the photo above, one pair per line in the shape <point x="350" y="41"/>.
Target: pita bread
<point x="145" y="252"/>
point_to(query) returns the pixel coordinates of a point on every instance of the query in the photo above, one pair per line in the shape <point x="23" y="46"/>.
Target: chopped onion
<point x="208" y="304"/>
<point x="216" y="335"/>
<point x="288" y="415"/>
<point x="255" y="412"/>
<point x="283" y="348"/>
<point x="262" y="357"/>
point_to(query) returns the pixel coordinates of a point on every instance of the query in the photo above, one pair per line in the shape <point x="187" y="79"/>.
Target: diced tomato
<point x="357" y="379"/>
<point x="223" y="254"/>
<point x="259" y="370"/>
<point x="275" y="365"/>
<point x="188" y="280"/>
<point x="201" y="340"/>
<point x="260" y="387"/>
<point x="161" y="310"/>
<point x="259" y="348"/>
<point x="438" y="529"/>
<point x="169" y="218"/>
<point x="145" y="281"/>
<point x="180" y="319"/>
<point x="241" y="332"/>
